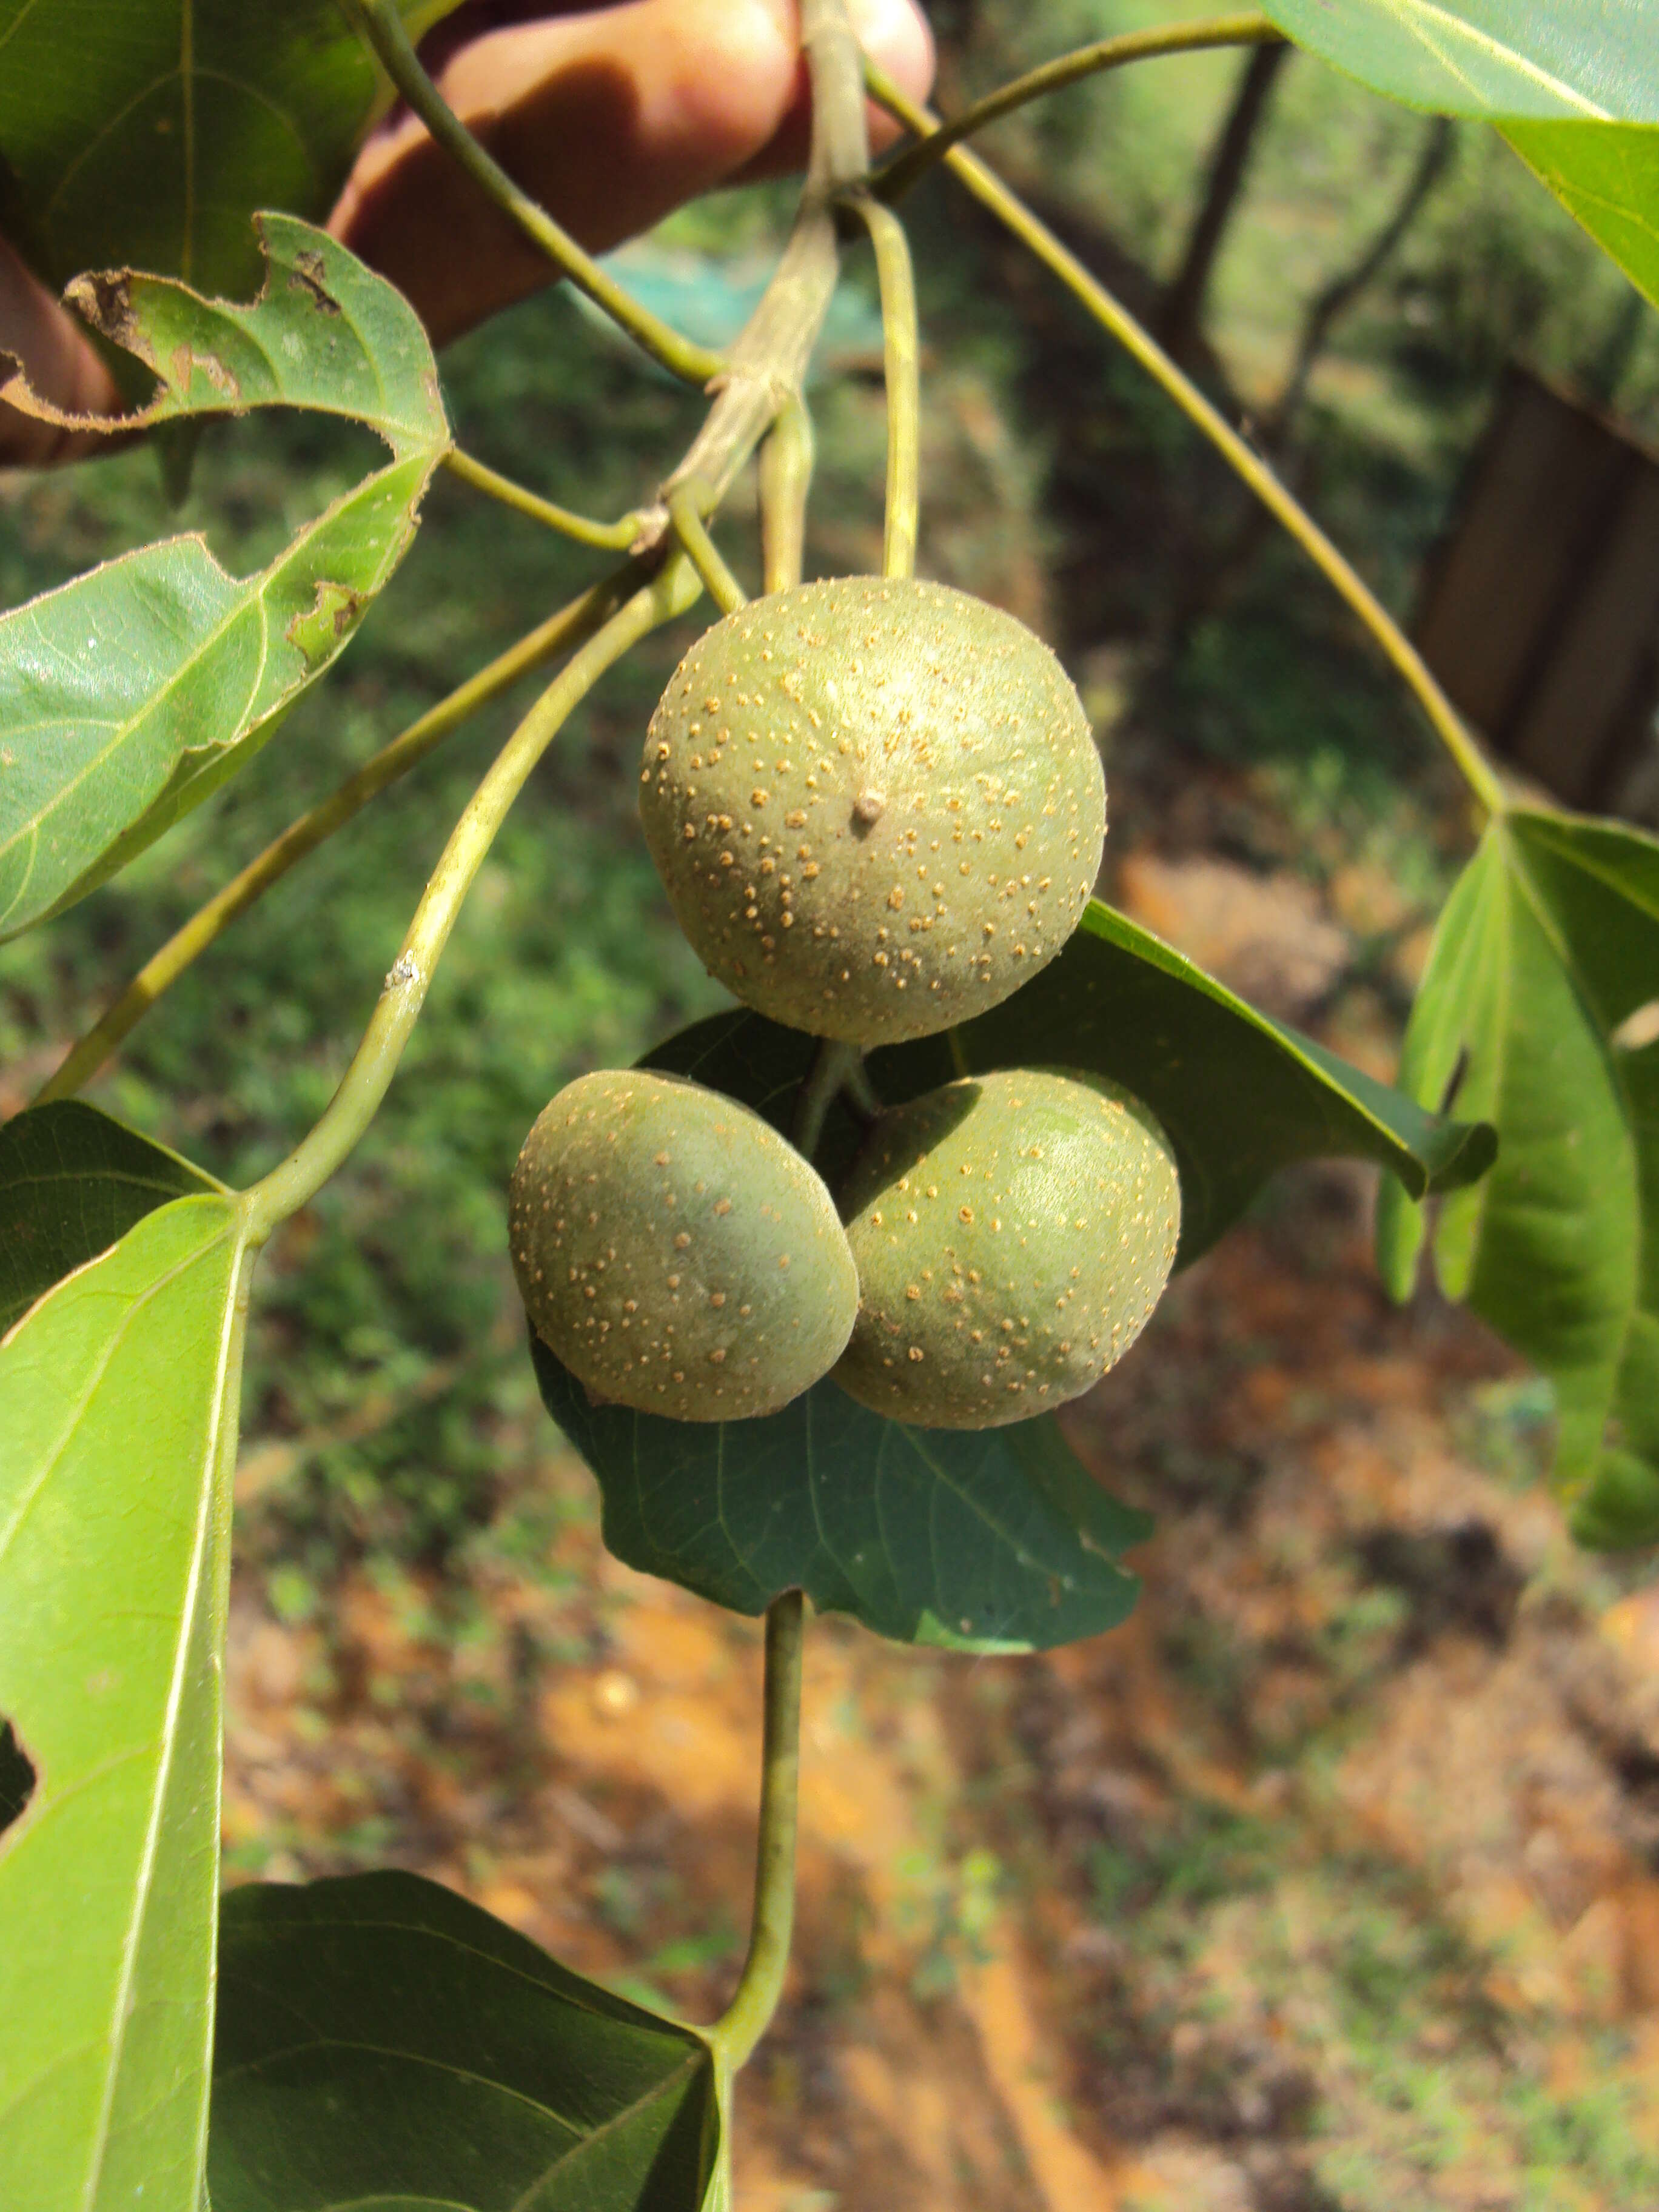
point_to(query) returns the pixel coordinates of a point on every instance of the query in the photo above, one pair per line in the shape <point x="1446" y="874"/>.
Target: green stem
<point x="355" y="1103"/>
<point x="837" y="1067"/>
<point x="382" y="26"/>
<point x="612" y="537"/>
<point x="767" y="366"/>
<point x="567" y="628"/>
<point x="786" y="478"/>
<point x="684" y="512"/>
<point x="1138" y="343"/>
<point x="904" y="171"/>
<point x="760" y="1985"/>
<point x="902" y="352"/>
<point x="860" y="1094"/>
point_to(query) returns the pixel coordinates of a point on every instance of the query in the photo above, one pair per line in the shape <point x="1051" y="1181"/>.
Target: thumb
<point x="610" y="117"/>
<point x="59" y="363"/>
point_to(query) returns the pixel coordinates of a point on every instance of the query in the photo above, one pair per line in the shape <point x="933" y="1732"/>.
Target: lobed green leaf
<point x="117" y="1428"/>
<point x="72" y="1182"/>
<point x="1547" y="948"/>
<point x="381" y="2042"/>
<point x="144" y="133"/>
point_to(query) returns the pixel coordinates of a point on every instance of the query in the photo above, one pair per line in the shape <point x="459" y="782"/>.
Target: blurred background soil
<point x="1326" y="1881"/>
<point x="1326" y="1884"/>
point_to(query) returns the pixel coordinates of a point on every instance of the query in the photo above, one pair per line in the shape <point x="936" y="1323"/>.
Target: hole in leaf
<point x="1638" y="1029"/>
<point x="17" y="1777"/>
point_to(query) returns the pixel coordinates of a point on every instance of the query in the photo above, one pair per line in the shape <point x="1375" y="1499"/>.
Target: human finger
<point x="59" y="363"/>
<point x="610" y="119"/>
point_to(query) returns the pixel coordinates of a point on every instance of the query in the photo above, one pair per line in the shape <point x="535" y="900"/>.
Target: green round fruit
<point x="1013" y="1233"/>
<point x="875" y="806"/>
<point x="675" y="1253"/>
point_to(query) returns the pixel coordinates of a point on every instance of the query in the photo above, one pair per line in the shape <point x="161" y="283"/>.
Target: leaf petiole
<point x="613" y="537"/>
<point x="745" y="2020"/>
<point x="902" y="351"/>
<point x="355" y="1104"/>
<point x="686" y="502"/>
<point x="1009" y="210"/>
<point x="569" y="627"/>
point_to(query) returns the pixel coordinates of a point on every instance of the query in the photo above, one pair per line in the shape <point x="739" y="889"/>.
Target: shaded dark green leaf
<point x="1548" y="947"/>
<point x="72" y="1182"/>
<point x="1240" y="1096"/>
<point x="990" y="1540"/>
<point x="144" y="133"/>
<point x="381" y="2042"/>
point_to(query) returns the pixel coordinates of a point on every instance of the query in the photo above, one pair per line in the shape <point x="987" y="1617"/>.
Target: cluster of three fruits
<point x="878" y="810"/>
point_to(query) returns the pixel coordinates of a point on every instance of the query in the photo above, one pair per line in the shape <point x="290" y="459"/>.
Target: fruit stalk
<point x="902" y="349"/>
<point x="760" y="1985"/>
<point x="290" y="1186"/>
<point x="839" y="1066"/>
<point x="786" y="478"/>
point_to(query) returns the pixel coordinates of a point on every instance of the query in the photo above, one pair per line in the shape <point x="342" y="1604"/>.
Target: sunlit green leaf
<point x="996" y="1539"/>
<point x="1574" y="87"/>
<point x="143" y="133"/>
<point x="1606" y="174"/>
<point x="72" y="1182"/>
<point x="1491" y="58"/>
<point x="382" y="2043"/>
<point x="129" y="694"/>
<point x="1547" y="948"/>
<point x="117" y="1426"/>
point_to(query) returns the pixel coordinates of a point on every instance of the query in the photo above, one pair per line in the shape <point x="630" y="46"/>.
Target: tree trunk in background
<point x="1183" y="303"/>
<point x="1438" y="145"/>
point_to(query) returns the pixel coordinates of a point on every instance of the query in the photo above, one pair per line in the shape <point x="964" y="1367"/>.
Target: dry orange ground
<point x="1326" y="1881"/>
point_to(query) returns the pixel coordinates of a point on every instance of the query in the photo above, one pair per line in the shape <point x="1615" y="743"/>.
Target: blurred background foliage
<point x="421" y="1604"/>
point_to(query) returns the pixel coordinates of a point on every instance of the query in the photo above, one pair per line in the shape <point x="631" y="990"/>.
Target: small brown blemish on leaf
<point x="306" y="275"/>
